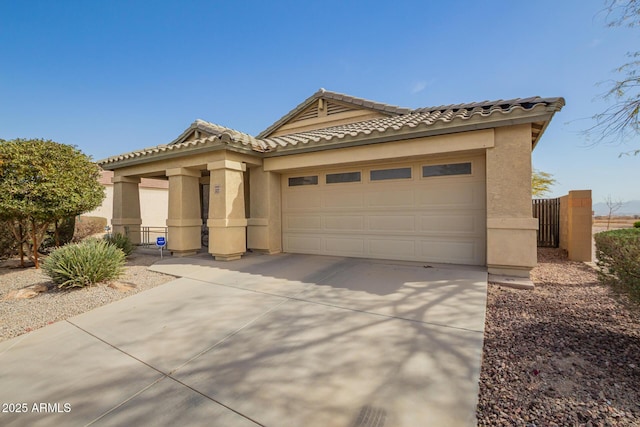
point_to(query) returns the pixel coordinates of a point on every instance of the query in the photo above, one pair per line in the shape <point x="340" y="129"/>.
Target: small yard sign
<point x="161" y="242"/>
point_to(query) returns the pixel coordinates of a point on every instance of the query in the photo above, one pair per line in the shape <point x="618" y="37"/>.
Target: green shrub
<point x="88" y="226"/>
<point x="618" y="254"/>
<point x="120" y="241"/>
<point x="636" y="224"/>
<point x="83" y="264"/>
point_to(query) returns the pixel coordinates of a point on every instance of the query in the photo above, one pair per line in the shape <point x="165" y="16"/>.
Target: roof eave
<point x="391" y="135"/>
<point x="304" y="104"/>
<point x="552" y="109"/>
<point x="197" y="125"/>
<point x="169" y="154"/>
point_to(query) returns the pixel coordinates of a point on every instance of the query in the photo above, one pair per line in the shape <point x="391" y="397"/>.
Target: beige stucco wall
<point x="511" y="228"/>
<point x="227" y="215"/>
<point x="184" y="220"/>
<point x="407" y="149"/>
<point x="264" y="231"/>
<point x="576" y="222"/>
<point x="154" y="205"/>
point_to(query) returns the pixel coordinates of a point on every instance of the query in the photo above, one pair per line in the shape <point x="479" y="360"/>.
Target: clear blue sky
<point x="116" y="76"/>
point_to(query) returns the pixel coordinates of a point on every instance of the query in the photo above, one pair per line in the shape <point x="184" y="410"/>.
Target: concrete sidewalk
<point x="283" y="340"/>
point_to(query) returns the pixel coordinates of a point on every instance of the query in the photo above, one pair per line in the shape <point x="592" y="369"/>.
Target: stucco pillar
<point x="183" y="221"/>
<point x="126" y="217"/>
<point x="264" y="230"/>
<point x="511" y="228"/>
<point x="227" y="221"/>
<point x="576" y="221"/>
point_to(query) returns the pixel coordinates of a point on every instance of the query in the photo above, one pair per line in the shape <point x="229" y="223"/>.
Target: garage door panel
<point x="403" y="248"/>
<point x="458" y="195"/>
<point x="301" y="200"/>
<point x="447" y="251"/>
<point x="311" y="244"/>
<point x="384" y="198"/>
<point x="395" y="223"/>
<point x="345" y="246"/>
<point x="349" y="200"/>
<point x="344" y="223"/>
<point x="303" y="222"/>
<point x="470" y="223"/>
<point x="432" y="219"/>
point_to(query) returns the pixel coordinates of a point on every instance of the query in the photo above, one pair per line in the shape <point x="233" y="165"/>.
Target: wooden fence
<point x="548" y="213"/>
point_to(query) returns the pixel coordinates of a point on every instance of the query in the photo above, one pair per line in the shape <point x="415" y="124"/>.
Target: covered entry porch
<point x="208" y="192"/>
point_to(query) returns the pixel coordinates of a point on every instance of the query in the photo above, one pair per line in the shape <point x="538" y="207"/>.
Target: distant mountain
<point x="628" y="208"/>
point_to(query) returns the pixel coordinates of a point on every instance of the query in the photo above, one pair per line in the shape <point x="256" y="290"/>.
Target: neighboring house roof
<point x="400" y="123"/>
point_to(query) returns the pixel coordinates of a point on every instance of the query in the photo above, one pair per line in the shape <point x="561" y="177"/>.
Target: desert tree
<point x="621" y="120"/>
<point x="613" y="206"/>
<point x="541" y="183"/>
<point x="42" y="182"/>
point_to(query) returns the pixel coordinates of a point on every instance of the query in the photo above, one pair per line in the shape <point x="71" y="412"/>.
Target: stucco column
<point x="227" y="221"/>
<point x="183" y="221"/>
<point x="576" y="221"/>
<point x="126" y="217"/>
<point x="264" y="230"/>
<point x="511" y="228"/>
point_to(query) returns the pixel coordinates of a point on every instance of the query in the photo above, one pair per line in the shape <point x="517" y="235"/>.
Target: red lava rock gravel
<point x="565" y="354"/>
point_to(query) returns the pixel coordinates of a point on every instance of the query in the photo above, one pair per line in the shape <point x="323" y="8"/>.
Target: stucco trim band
<point x="184" y="222"/>
<point x="183" y="172"/>
<point x="126" y="221"/>
<point x="127" y="179"/>
<point x="227" y="164"/>
<point x="513" y="223"/>
<point x="229" y="222"/>
<point x="465" y="141"/>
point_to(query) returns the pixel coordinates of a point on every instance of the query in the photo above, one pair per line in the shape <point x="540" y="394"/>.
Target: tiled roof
<point x="219" y="134"/>
<point x="335" y="96"/>
<point x="422" y="118"/>
<point x="449" y="118"/>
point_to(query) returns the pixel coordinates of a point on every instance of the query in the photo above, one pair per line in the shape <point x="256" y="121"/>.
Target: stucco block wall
<point x="576" y="221"/>
<point x="511" y="228"/>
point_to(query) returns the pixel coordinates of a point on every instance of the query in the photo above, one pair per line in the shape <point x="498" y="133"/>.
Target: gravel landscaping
<point x="564" y="354"/>
<point x="19" y="316"/>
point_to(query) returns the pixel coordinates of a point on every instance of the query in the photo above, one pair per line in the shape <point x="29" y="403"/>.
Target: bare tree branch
<point x="621" y="120"/>
<point x="613" y="206"/>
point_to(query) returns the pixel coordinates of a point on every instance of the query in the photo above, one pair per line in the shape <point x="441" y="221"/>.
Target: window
<point x="449" y="169"/>
<point x="303" y="180"/>
<point x="335" y="178"/>
<point x="398" y="173"/>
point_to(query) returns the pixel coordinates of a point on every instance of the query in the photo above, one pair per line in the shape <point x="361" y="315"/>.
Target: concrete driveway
<point x="280" y="340"/>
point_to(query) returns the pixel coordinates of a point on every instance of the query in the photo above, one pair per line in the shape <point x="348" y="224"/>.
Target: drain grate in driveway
<point x="370" y="416"/>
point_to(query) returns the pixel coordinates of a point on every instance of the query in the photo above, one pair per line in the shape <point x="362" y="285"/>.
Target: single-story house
<point x="340" y="175"/>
